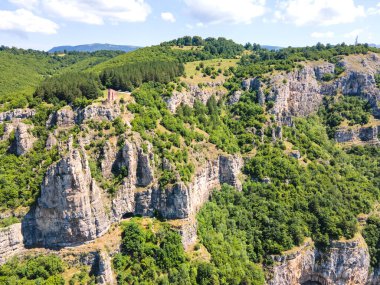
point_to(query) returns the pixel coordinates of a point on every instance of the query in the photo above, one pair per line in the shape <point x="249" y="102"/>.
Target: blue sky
<point x="42" y="24"/>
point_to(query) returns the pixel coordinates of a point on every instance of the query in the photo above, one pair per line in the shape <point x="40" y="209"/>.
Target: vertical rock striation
<point x="11" y="242"/>
<point x="70" y="209"/>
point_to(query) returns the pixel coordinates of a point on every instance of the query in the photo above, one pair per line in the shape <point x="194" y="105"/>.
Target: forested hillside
<point x="213" y="165"/>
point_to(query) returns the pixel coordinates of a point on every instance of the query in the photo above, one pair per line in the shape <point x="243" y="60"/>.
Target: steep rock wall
<point x="343" y="263"/>
<point x="11" y="242"/>
<point x="70" y="209"/>
<point x="182" y="200"/>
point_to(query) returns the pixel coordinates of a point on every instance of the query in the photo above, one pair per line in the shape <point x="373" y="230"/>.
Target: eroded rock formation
<point x="23" y="140"/>
<point x="17" y="114"/>
<point x="70" y="209"/>
<point x="194" y="92"/>
<point x="11" y="242"/>
<point x="343" y="263"/>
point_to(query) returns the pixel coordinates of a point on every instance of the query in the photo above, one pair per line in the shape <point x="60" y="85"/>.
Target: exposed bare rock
<point x="51" y="142"/>
<point x="295" y="154"/>
<point x="11" y="242"/>
<point x="100" y="112"/>
<point x="23" y="140"/>
<point x="181" y="201"/>
<point x="144" y="170"/>
<point x="229" y="169"/>
<point x="17" y="114"/>
<point x="70" y="209"/>
<point x="187" y="228"/>
<point x="323" y="69"/>
<point x="234" y="98"/>
<point x="358" y="134"/>
<point x="194" y="93"/>
<point x="64" y="117"/>
<point x="297" y="93"/>
<point x="108" y="157"/>
<point x="9" y="127"/>
<point x="343" y="263"/>
<point x="105" y="273"/>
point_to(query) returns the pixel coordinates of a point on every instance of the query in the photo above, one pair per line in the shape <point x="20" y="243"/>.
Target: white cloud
<point x="94" y="12"/>
<point x="218" y="11"/>
<point x="374" y="10"/>
<point x="98" y="11"/>
<point x="320" y="35"/>
<point x="28" y="4"/>
<point x="23" y="20"/>
<point x="353" y="34"/>
<point x="167" y="16"/>
<point x="318" y="12"/>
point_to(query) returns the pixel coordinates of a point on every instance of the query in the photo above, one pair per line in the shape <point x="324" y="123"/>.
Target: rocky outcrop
<point x="51" y="142"/>
<point x="70" y="209"/>
<point x="64" y="117"/>
<point x="361" y="134"/>
<point x="105" y="273"/>
<point x="181" y="200"/>
<point x="194" y="93"/>
<point x="23" y="140"/>
<point x="11" y="242"/>
<point x="343" y="263"/>
<point x="100" y="112"/>
<point x="108" y="157"/>
<point x="297" y="93"/>
<point x="229" y="169"/>
<point x="322" y="69"/>
<point x="144" y="171"/>
<point x="17" y="114"/>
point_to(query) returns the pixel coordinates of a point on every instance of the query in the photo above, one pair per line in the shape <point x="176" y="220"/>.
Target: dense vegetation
<point x="320" y="200"/>
<point x="371" y="234"/>
<point x="355" y="110"/>
<point x="21" y="176"/>
<point x="133" y="75"/>
<point x="153" y="254"/>
<point x="69" y="88"/>
<point x="22" y="70"/>
<point x="211" y="47"/>
<point x="262" y="61"/>
<point x="40" y="270"/>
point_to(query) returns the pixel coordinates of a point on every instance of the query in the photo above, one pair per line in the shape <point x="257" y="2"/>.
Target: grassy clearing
<point x="194" y="76"/>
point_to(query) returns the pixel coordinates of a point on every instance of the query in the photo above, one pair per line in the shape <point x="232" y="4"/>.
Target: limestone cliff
<point x="11" y="242"/>
<point x="17" y="114"/>
<point x="358" y="135"/>
<point x="181" y="200"/>
<point x="23" y="140"/>
<point x="343" y="263"/>
<point x="70" y="209"/>
<point x="194" y="92"/>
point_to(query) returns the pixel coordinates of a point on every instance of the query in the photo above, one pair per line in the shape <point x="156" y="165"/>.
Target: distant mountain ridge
<point x="94" y="47"/>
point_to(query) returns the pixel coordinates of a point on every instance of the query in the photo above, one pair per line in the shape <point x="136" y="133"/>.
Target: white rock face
<point x="64" y="117"/>
<point x="11" y="242"/>
<point x="17" y="114"/>
<point x="194" y="93"/>
<point x="343" y="263"/>
<point x="24" y="140"/>
<point x="362" y="134"/>
<point x="100" y="112"/>
<point x="70" y="209"/>
<point x="182" y="200"/>
<point x="105" y="274"/>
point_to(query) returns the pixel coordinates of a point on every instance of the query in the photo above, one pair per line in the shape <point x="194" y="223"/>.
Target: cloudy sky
<point x="42" y="24"/>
